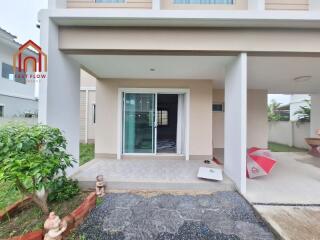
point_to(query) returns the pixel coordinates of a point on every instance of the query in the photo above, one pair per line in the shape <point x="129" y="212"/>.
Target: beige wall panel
<point x="287" y="4"/>
<point x="200" y="112"/>
<point x="257" y="119"/>
<point x="220" y="40"/>
<point x="218" y="120"/>
<point x="87" y="80"/>
<point x="93" y="4"/>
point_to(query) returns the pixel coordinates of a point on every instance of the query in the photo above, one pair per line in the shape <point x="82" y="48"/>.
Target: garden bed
<point x="30" y="218"/>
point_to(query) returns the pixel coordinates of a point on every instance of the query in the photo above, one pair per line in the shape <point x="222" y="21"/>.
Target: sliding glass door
<point x="139" y="127"/>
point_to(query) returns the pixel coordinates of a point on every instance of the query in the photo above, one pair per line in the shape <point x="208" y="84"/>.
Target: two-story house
<point x="17" y="98"/>
<point x="177" y="78"/>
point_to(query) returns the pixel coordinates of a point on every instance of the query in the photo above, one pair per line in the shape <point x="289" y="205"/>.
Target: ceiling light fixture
<point x="301" y="79"/>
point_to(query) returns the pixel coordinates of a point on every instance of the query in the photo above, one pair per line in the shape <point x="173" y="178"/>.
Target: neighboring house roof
<point x="6" y="35"/>
<point x="10" y="39"/>
<point x="284" y="107"/>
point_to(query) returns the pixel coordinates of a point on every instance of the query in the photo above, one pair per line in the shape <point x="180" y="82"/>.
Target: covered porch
<point x="238" y="79"/>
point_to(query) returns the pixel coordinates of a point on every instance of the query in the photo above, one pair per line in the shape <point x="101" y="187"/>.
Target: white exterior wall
<point x="315" y="114"/>
<point x="236" y="122"/>
<point x="87" y="125"/>
<point x="289" y="133"/>
<point x="59" y="99"/>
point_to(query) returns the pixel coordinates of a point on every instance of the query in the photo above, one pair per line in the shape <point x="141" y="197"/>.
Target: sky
<point x="280" y="98"/>
<point x="20" y="17"/>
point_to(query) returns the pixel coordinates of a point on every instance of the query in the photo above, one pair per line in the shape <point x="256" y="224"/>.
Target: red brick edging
<point x="14" y="208"/>
<point x="73" y="220"/>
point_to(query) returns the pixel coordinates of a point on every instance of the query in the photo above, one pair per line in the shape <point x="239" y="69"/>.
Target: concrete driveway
<point x="223" y="215"/>
<point x="295" y="179"/>
<point x="289" y="198"/>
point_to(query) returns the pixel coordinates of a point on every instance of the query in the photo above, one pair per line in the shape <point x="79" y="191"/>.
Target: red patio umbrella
<point x="259" y="162"/>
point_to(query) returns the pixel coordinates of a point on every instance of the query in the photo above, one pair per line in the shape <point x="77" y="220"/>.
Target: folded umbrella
<point x="259" y="162"/>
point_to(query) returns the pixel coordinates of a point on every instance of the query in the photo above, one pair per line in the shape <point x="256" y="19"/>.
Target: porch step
<point x="150" y="175"/>
<point x="201" y="186"/>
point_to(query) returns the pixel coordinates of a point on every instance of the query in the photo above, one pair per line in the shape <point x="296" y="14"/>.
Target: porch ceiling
<point x="157" y="67"/>
<point x="276" y="74"/>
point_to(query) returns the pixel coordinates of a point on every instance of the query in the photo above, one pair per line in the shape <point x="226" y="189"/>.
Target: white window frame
<point x="218" y="103"/>
<point x="94" y="112"/>
<point x="153" y="91"/>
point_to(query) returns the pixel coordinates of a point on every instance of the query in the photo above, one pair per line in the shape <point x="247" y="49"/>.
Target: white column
<point x="59" y="97"/>
<point x="315" y="114"/>
<point x="314" y="5"/>
<point x="235" y="143"/>
<point x="156" y="4"/>
<point x="54" y="4"/>
<point x="257" y="5"/>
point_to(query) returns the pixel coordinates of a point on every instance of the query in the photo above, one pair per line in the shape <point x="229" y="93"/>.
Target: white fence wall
<point x="30" y="121"/>
<point x="289" y="133"/>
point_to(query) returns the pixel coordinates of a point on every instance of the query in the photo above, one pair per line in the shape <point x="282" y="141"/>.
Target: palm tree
<point x="304" y="113"/>
<point x="273" y="111"/>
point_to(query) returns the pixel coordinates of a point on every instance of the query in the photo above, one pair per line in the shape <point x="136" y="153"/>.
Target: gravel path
<point x="126" y="216"/>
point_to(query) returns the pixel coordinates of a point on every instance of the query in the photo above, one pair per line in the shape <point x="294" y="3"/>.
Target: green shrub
<point x="63" y="189"/>
<point x="31" y="157"/>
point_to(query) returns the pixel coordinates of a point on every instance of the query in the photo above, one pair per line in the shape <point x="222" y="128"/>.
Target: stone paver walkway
<point x="127" y="216"/>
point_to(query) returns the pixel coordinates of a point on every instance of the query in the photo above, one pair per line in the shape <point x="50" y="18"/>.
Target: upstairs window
<point x="203" y="1"/>
<point x="110" y="1"/>
<point x="1" y="110"/>
<point x="7" y="72"/>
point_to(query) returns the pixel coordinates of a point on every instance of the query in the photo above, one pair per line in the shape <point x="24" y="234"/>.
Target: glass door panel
<point x="138" y="123"/>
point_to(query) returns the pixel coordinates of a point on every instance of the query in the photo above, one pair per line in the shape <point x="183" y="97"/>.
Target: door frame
<point x="152" y="91"/>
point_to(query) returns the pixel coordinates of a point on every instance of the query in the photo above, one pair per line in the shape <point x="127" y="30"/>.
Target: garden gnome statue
<point x="100" y="186"/>
<point x="55" y="227"/>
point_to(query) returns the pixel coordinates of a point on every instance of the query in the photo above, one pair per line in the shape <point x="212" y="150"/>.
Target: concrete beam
<point x="235" y="149"/>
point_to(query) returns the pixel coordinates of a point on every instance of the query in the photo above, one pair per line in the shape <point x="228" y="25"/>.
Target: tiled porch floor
<point x="138" y="174"/>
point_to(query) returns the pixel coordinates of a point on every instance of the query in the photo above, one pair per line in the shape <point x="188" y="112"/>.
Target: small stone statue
<point x="55" y="227"/>
<point x="100" y="186"/>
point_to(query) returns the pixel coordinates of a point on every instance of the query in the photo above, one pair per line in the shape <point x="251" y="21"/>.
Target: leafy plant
<point x="63" y="189"/>
<point x="31" y="157"/>
<point x="275" y="113"/>
<point x="304" y="113"/>
<point x="99" y="201"/>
